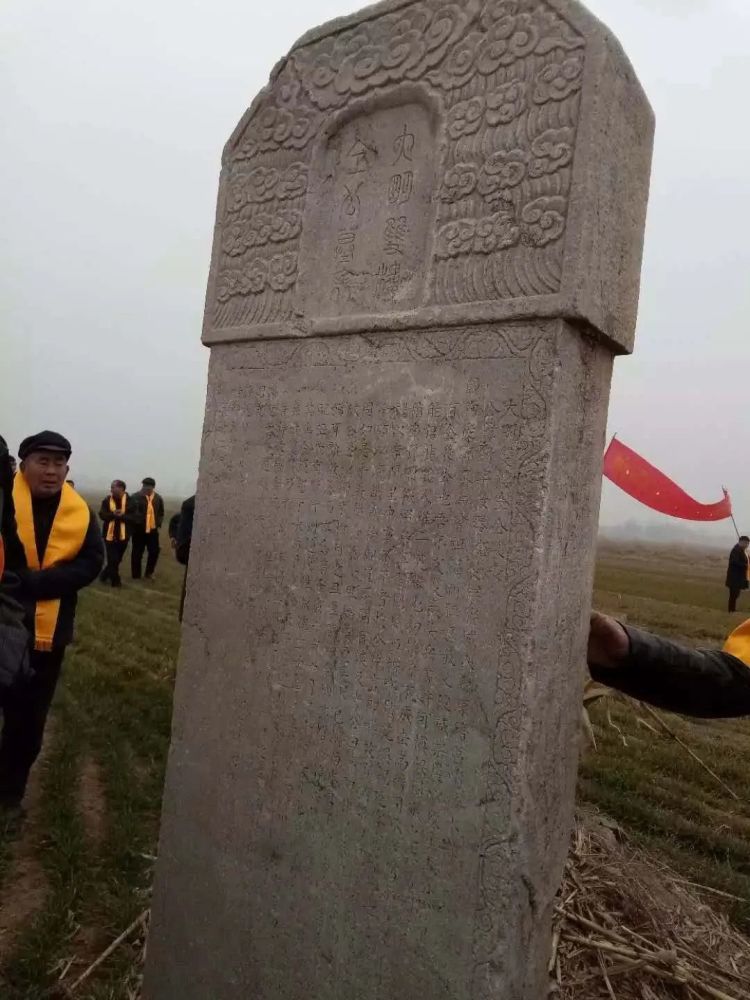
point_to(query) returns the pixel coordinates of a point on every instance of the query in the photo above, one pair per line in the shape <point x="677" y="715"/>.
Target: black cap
<point x="148" y="481"/>
<point x="44" y="441"/>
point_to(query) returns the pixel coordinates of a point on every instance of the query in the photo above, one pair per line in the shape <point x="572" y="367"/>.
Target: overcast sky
<point x="113" y="117"/>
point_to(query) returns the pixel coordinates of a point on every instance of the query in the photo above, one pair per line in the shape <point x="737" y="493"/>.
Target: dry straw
<point x="629" y="928"/>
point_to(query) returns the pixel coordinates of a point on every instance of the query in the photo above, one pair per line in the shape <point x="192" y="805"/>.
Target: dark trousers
<point x="115" y="552"/>
<point x="25" y="709"/>
<point x="734" y="593"/>
<point x="183" y="595"/>
<point x="148" y="542"/>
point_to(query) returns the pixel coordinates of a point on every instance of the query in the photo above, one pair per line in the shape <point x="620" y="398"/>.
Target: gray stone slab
<point x="373" y="757"/>
<point x="427" y="252"/>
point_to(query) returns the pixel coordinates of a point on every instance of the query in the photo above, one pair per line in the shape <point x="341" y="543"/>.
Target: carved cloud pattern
<point x="508" y="74"/>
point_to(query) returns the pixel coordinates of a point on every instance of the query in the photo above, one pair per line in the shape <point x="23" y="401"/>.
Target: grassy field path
<point x="87" y="847"/>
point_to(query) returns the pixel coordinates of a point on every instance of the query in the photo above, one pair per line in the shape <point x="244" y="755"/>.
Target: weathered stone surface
<point x="373" y="753"/>
<point x="371" y="778"/>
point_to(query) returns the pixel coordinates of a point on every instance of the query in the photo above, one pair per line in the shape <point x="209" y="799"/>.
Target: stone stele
<point x="427" y="252"/>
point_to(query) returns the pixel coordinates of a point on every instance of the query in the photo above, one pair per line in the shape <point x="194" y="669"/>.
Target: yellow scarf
<point x="150" y="516"/>
<point x="65" y="541"/>
<point x="119" y="524"/>
<point x="738" y="643"/>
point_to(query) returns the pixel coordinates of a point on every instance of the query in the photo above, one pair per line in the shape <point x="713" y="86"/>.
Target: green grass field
<point x="79" y="871"/>
<point x="94" y="823"/>
<point x="652" y="786"/>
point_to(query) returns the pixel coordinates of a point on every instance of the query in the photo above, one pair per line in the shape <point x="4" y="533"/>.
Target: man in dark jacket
<point x="707" y="683"/>
<point x="173" y="528"/>
<point x="8" y="535"/>
<point x="737" y="571"/>
<point x="14" y="639"/>
<point x="60" y="553"/>
<point x="183" y="541"/>
<point x="115" y="530"/>
<point x="146" y="516"/>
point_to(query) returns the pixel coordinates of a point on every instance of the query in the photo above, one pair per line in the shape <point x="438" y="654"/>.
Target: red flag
<point x="645" y="483"/>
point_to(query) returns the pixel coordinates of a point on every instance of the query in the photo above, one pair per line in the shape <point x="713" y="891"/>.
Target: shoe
<point x="116" y="584"/>
<point x="149" y="578"/>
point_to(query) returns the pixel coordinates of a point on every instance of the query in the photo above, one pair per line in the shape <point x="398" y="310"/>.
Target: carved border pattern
<point x="523" y="340"/>
<point x="508" y="74"/>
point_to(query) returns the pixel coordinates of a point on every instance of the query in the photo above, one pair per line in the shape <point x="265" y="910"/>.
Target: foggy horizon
<point x="114" y="121"/>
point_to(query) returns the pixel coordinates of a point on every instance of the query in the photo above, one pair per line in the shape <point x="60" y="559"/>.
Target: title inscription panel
<point x="369" y="212"/>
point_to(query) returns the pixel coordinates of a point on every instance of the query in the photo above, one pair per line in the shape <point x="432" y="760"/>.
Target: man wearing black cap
<point x="61" y="552"/>
<point x="116" y="531"/>
<point x="146" y="517"/>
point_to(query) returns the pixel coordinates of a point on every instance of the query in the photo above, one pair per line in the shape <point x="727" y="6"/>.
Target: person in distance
<point x="146" y="518"/>
<point x="738" y="571"/>
<point x="116" y="530"/>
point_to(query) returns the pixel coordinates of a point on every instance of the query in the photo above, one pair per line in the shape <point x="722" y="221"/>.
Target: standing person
<point x="182" y="543"/>
<point x="60" y="553"/>
<point x="737" y="571"/>
<point x="146" y="518"/>
<point x="173" y="528"/>
<point x="7" y="517"/>
<point x="10" y="544"/>
<point x="113" y="513"/>
<point x="14" y="639"/>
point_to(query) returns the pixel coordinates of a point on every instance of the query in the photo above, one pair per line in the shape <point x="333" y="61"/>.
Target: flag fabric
<point x="642" y="481"/>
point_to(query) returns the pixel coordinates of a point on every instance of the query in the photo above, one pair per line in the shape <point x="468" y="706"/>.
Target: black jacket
<point x="174" y="526"/>
<point x="706" y="683"/>
<point x="137" y="504"/>
<point x="185" y="531"/>
<point x="13" y="547"/>
<point x="14" y="638"/>
<point x="62" y="581"/>
<point x="737" y="569"/>
<point x="183" y="539"/>
<point x="106" y="515"/>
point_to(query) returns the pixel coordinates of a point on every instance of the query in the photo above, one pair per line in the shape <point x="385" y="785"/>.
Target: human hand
<point x="173" y="542"/>
<point x="608" y="641"/>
